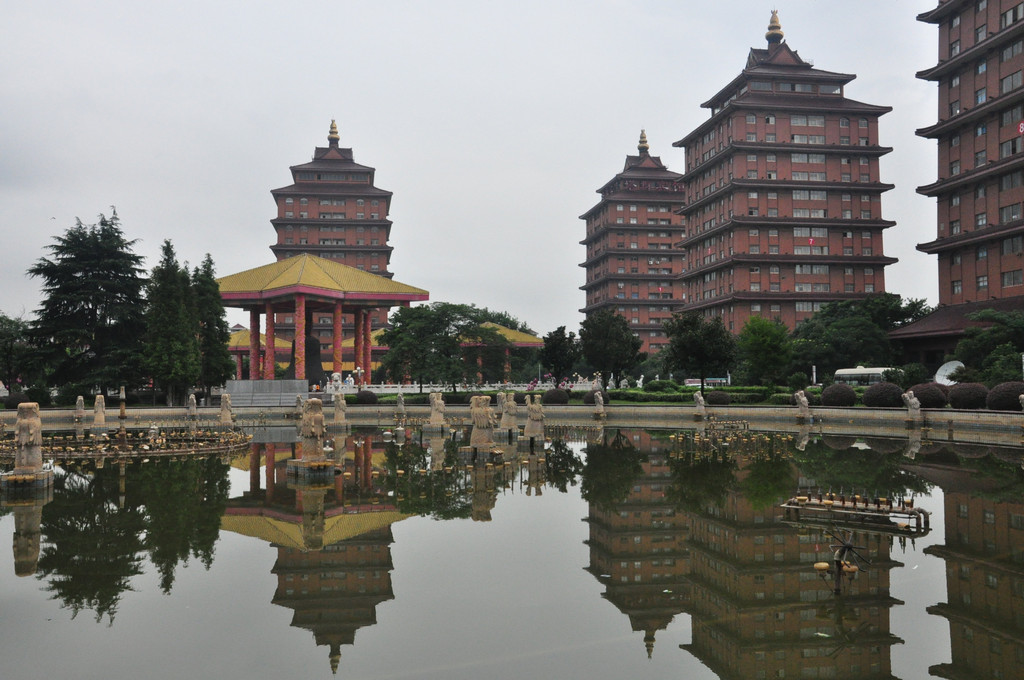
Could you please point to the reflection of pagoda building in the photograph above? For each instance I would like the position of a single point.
(335, 591)
(984, 555)
(638, 550)
(334, 541)
(760, 610)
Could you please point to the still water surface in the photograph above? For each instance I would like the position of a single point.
(634, 554)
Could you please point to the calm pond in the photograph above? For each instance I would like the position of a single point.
(611, 554)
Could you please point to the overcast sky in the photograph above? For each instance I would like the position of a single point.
(492, 123)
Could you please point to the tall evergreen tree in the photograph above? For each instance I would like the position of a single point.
(216, 365)
(560, 352)
(171, 346)
(88, 329)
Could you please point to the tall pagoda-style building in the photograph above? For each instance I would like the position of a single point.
(333, 210)
(631, 267)
(783, 195)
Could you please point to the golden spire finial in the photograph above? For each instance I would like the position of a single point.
(642, 147)
(333, 135)
(774, 34)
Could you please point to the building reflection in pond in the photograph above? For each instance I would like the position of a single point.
(638, 546)
(984, 556)
(758, 607)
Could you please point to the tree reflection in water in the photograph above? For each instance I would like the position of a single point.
(612, 465)
(96, 530)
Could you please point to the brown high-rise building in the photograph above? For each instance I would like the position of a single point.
(980, 186)
(979, 238)
(783, 194)
(631, 267)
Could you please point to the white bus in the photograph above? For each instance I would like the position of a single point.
(860, 376)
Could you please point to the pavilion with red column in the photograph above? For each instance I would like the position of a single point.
(306, 285)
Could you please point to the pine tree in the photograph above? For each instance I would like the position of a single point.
(171, 346)
(88, 329)
(216, 364)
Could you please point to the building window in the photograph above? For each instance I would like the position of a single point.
(979, 158)
(981, 253)
(954, 48)
(954, 107)
(981, 67)
(1014, 278)
(982, 282)
(1014, 244)
(954, 168)
(954, 226)
(980, 219)
(956, 287)
(1009, 213)
(1010, 82)
(980, 33)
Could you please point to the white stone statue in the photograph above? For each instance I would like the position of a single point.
(436, 409)
(802, 404)
(336, 383)
(312, 428)
(534, 417)
(79, 409)
(192, 411)
(400, 405)
(28, 434)
(509, 412)
(640, 381)
(913, 405)
(339, 408)
(598, 403)
(483, 421)
(226, 415)
(698, 400)
(624, 383)
(99, 412)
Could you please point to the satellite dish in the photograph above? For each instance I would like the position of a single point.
(942, 375)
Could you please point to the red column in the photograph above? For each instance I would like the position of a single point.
(479, 366)
(357, 339)
(238, 366)
(254, 344)
(300, 336)
(254, 467)
(368, 345)
(270, 360)
(336, 336)
(508, 364)
(270, 453)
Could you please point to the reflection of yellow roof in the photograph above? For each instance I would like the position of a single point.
(310, 272)
(240, 338)
(281, 531)
(515, 337)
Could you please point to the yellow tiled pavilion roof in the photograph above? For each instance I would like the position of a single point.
(240, 338)
(517, 338)
(280, 531)
(310, 274)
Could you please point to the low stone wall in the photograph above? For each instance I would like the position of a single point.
(1004, 428)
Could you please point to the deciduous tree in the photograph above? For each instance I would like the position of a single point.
(698, 346)
(608, 344)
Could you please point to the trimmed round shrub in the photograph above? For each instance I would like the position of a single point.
(883, 445)
(1004, 396)
(838, 394)
(883, 395)
(555, 397)
(944, 388)
(366, 397)
(588, 398)
(838, 442)
(930, 395)
(718, 398)
(968, 396)
(14, 398)
(660, 386)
